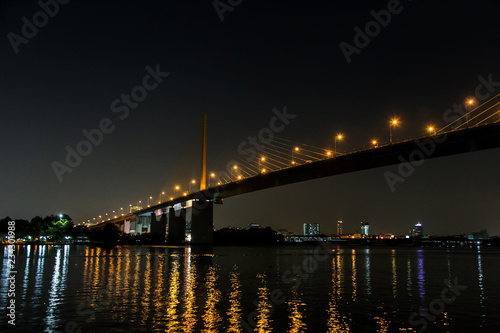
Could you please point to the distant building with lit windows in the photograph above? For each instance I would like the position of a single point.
(418, 230)
(365, 229)
(311, 229)
(340, 228)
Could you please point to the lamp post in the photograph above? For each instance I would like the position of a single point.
(338, 137)
(296, 149)
(431, 129)
(235, 167)
(374, 143)
(193, 182)
(212, 175)
(394, 122)
(262, 159)
(468, 104)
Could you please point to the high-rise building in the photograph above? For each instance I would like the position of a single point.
(340, 228)
(365, 229)
(418, 230)
(311, 229)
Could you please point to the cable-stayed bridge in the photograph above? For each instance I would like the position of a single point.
(281, 162)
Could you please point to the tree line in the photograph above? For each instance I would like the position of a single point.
(53, 227)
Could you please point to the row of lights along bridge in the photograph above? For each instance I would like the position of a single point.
(236, 175)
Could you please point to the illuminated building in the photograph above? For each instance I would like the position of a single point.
(418, 230)
(340, 228)
(311, 229)
(365, 229)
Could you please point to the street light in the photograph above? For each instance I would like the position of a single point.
(468, 104)
(262, 159)
(293, 151)
(212, 175)
(338, 137)
(431, 129)
(374, 143)
(394, 122)
(191, 184)
(328, 153)
(235, 167)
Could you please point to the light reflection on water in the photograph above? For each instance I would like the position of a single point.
(182, 289)
(336, 322)
(234, 310)
(264, 307)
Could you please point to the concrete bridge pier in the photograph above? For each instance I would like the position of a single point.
(176, 226)
(202, 222)
(158, 228)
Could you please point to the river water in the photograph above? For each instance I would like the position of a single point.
(316, 288)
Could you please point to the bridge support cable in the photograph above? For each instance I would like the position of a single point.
(484, 112)
(266, 163)
(301, 153)
(489, 118)
(277, 158)
(470, 120)
(468, 113)
(309, 152)
(313, 149)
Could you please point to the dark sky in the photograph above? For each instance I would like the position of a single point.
(263, 55)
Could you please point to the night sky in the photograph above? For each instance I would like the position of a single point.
(66, 77)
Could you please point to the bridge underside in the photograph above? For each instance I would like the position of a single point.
(463, 141)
